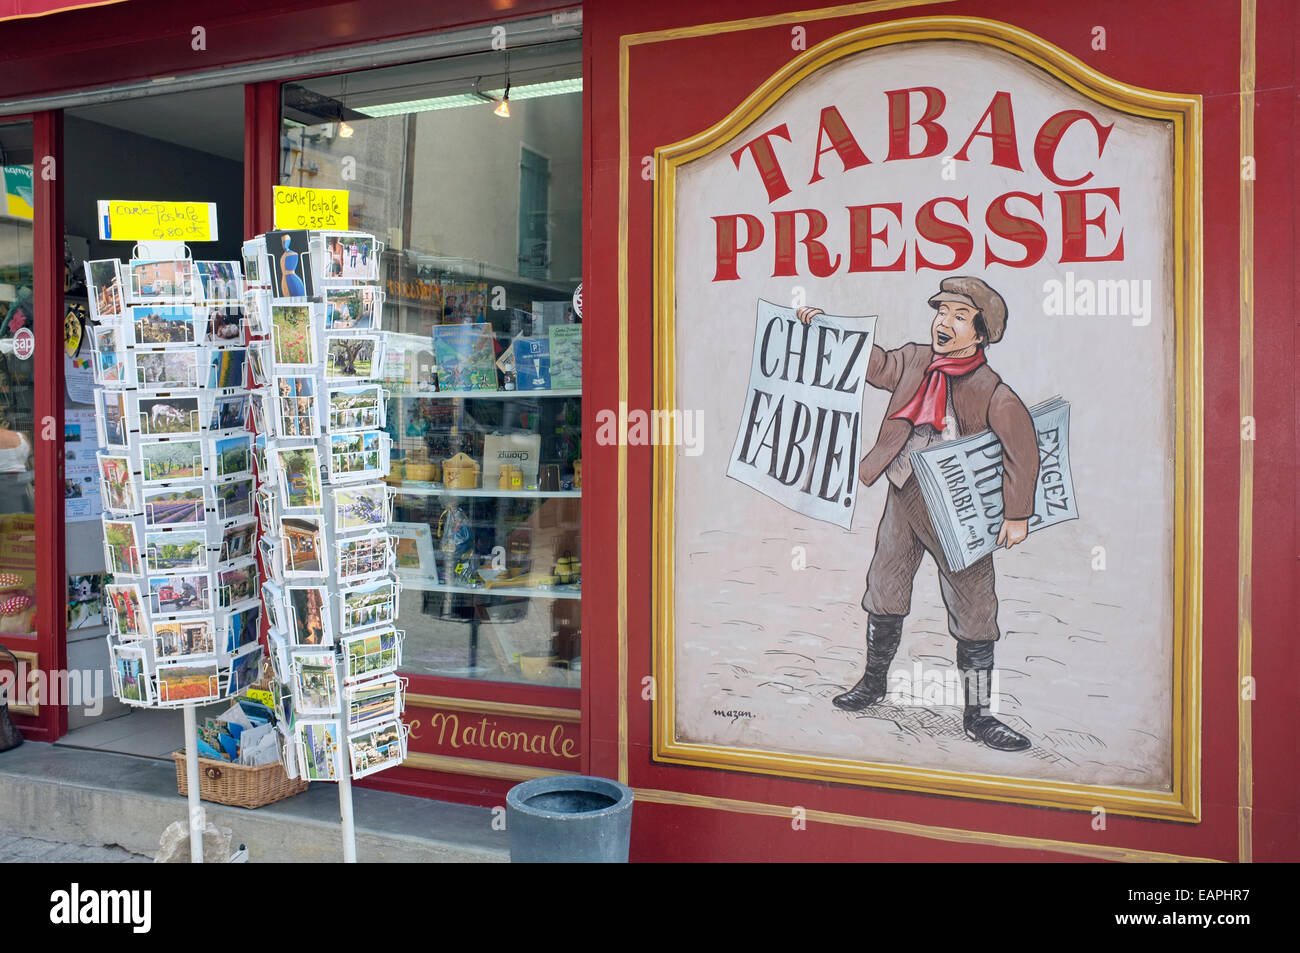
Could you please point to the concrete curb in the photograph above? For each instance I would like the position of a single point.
(103, 799)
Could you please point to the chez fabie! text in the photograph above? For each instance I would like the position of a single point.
(1017, 217)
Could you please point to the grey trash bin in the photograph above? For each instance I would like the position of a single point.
(569, 819)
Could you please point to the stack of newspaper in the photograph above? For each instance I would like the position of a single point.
(961, 482)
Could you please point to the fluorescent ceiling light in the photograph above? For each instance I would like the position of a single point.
(554, 88)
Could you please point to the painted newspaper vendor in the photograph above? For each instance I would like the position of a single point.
(949, 377)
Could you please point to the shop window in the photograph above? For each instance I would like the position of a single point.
(479, 207)
(17, 391)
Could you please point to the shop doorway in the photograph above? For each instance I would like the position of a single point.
(178, 147)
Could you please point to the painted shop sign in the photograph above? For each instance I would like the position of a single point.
(496, 737)
(942, 532)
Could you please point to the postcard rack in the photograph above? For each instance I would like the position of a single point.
(170, 350)
(329, 582)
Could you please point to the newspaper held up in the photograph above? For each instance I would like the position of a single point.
(800, 429)
(961, 483)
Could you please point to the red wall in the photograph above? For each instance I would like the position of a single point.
(142, 39)
(681, 86)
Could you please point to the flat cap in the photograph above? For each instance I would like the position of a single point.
(973, 292)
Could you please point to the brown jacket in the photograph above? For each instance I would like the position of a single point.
(979, 400)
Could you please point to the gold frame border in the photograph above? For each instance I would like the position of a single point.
(1246, 463)
(32, 659)
(455, 703)
(1182, 802)
(500, 770)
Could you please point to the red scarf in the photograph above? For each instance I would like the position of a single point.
(929, 405)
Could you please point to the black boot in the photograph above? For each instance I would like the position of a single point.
(884, 632)
(976, 663)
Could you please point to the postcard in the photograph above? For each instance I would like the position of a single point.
(299, 469)
(188, 682)
(360, 507)
(179, 637)
(356, 408)
(236, 584)
(253, 254)
(373, 702)
(272, 600)
(234, 499)
(309, 616)
(130, 675)
(413, 543)
(123, 548)
(176, 550)
(111, 417)
(303, 547)
(165, 416)
(380, 747)
(164, 324)
(278, 655)
(243, 628)
(257, 364)
(269, 550)
(161, 279)
(293, 337)
(225, 323)
(318, 750)
(267, 510)
(350, 257)
(314, 681)
(230, 413)
(220, 280)
(104, 289)
(174, 595)
(126, 610)
(118, 487)
(110, 364)
(233, 455)
(257, 405)
(352, 356)
(356, 454)
(171, 460)
(352, 309)
(374, 653)
(367, 606)
(173, 506)
(290, 272)
(226, 368)
(363, 557)
(244, 670)
(237, 541)
(167, 370)
(296, 397)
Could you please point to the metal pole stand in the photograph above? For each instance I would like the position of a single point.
(192, 785)
(345, 802)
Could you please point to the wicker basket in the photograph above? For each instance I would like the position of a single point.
(236, 784)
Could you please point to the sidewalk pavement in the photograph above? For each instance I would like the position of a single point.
(16, 849)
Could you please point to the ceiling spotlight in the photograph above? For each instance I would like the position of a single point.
(345, 130)
(503, 107)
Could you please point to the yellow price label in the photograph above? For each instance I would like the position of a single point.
(311, 208)
(260, 695)
(123, 220)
